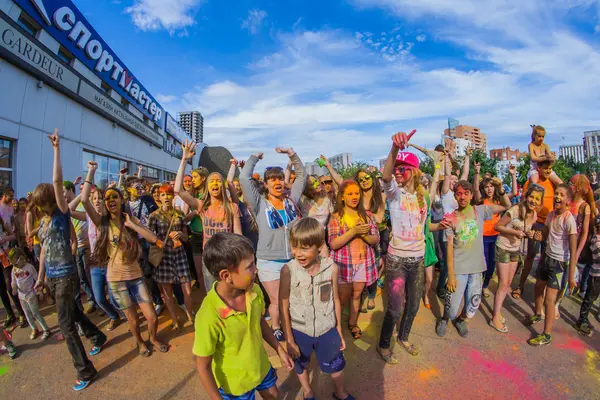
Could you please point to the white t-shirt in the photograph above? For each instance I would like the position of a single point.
(560, 228)
(449, 203)
(408, 222)
(7, 212)
(178, 203)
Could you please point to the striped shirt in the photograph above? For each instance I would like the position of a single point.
(595, 246)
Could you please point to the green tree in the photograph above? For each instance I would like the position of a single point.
(427, 166)
(349, 171)
(487, 164)
(563, 169)
(523, 169)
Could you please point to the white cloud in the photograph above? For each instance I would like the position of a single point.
(331, 91)
(175, 16)
(165, 98)
(253, 22)
(421, 38)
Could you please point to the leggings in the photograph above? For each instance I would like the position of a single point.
(405, 277)
(469, 287)
(443, 277)
(489, 251)
(591, 295)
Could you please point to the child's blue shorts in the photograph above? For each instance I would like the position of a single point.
(267, 383)
(326, 347)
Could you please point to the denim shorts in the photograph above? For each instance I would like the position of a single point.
(505, 256)
(128, 293)
(326, 347)
(267, 383)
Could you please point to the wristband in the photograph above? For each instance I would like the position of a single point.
(86, 181)
(502, 194)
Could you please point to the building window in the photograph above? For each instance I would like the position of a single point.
(6, 163)
(105, 87)
(124, 102)
(29, 24)
(108, 168)
(149, 172)
(65, 55)
(169, 176)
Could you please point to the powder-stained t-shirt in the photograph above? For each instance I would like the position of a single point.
(560, 228)
(468, 241)
(214, 221)
(55, 238)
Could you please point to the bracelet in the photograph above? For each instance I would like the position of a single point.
(502, 194)
(86, 181)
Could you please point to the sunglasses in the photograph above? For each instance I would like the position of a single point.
(276, 168)
(366, 178)
(327, 182)
(401, 170)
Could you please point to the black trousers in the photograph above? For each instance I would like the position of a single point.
(69, 314)
(591, 295)
(6, 293)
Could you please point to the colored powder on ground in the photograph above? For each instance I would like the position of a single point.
(428, 374)
(576, 346)
(3, 370)
(506, 371)
(592, 364)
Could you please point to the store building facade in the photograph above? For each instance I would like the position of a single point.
(57, 72)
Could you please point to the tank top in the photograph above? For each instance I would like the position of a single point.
(488, 226)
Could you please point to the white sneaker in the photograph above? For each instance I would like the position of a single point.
(159, 308)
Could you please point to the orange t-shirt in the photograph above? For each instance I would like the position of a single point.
(488, 226)
(547, 201)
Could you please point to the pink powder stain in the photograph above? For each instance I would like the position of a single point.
(509, 372)
(576, 346)
(224, 311)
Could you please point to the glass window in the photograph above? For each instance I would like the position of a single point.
(108, 168)
(6, 162)
(27, 23)
(65, 55)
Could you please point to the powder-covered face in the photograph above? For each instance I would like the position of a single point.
(187, 183)
(215, 185)
(561, 199)
(327, 184)
(197, 179)
(244, 276)
(305, 255)
(351, 196)
(403, 174)
(238, 187)
(365, 181)
(463, 197)
(113, 201)
(534, 201)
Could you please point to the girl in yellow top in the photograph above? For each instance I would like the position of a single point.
(118, 247)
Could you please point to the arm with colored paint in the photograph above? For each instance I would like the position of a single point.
(572, 260)
(42, 271)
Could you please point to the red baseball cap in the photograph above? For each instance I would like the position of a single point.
(407, 158)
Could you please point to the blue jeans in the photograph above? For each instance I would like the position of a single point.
(489, 252)
(83, 255)
(468, 287)
(98, 284)
(583, 278)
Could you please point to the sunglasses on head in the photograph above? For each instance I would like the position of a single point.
(276, 168)
(366, 178)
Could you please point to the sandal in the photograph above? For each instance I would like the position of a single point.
(355, 331)
(371, 304)
(486, 293)
(163, 348)
(176, 327)
(145, 353)
(410, 348)
(363, 310)
(516, 294)
(388, 358)
(504, 329)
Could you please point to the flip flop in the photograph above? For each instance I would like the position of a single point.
(370, 306)
(145, 353)
(163, 348)
(355, 331)
(410, 349)
(516, 294)
(504, 329)
(389, 358)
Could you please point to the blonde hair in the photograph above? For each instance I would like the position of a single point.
(227, 205)
(307, 232)
(536, 129)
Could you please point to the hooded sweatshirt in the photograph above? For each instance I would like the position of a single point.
(273, 244)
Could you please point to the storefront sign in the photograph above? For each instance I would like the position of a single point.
(116, 113)
(65, 23)
(17, 44)
(173, 128)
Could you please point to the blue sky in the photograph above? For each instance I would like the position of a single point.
(336, 76)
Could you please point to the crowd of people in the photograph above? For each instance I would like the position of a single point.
(279, 257)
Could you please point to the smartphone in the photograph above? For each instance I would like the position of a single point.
(124, 171)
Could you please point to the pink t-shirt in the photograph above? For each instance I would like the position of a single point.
(214, 221)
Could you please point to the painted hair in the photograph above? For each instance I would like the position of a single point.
(43, 197)
(166, 188)
(377, 198)
(128, 238)
(536, 129)
(534, 188)
(308, 193)
(339, 204)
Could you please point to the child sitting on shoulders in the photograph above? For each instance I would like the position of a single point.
(230, 326)
(24, 277)
(593, 284)
(560, 233)
(538, 152)
(311, 308)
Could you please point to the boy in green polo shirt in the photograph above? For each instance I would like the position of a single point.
(230, 326)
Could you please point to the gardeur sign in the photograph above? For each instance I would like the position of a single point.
(63, 21)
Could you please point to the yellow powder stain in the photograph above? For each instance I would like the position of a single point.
(562, 388)
(515, 347)
(593, 363)
(428, 374)
(275, 362)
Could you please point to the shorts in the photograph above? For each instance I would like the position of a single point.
(128, 293)
(267, 383)
(326, 347)
(535, 171)
(551, 271)
(358, 274)
(270, 270)
(197, 243)
(505, 256)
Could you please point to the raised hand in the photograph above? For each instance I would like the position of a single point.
(113, 184)
(234, 161)
(469, 151)
(77, 180)
(124, 171)
(188, 148)
(128, 222)
(477, 167)
(92, 166)
(241, 163)
(54, 138)
(496, 181)
(512, 169)
(259, 155)
(401, 139)
(285, 150)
